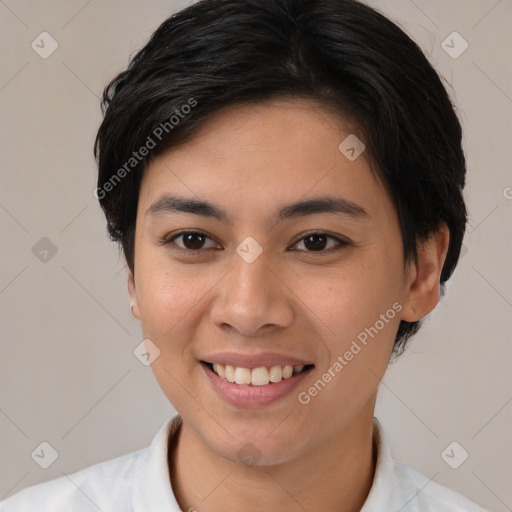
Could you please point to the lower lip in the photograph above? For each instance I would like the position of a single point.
(245, 395)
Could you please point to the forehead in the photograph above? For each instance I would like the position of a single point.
(250, 158)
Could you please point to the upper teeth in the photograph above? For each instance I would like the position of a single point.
(257, 376)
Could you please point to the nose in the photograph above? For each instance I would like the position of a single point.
(254, 298)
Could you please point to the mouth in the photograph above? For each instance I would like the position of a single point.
(256, 377)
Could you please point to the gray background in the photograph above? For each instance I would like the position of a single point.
(68, 373)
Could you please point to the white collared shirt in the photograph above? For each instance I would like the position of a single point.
(139, 482)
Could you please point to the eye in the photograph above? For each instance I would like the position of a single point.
(318, 242)
(193, 241)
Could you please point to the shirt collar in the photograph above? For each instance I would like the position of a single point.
(153, 491)
(384, 483)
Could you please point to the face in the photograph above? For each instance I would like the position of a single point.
(257, 282)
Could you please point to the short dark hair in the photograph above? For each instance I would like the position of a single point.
(344, 55)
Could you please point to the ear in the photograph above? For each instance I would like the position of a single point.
(133, 295)
(423, 288)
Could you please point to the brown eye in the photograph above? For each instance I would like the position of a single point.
(191, 240)
(315, 242)
(318, 242)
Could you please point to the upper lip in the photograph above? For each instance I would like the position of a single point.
(254, 360)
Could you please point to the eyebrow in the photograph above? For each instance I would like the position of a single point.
(329, 204)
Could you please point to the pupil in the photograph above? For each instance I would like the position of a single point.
(189, 240)
(315, 246)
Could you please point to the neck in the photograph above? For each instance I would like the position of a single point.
(336, 475)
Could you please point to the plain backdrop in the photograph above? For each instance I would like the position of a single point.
(68, 373)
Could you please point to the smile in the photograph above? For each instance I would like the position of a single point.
(261, 376)
(254, 380)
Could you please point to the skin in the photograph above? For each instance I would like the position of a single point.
(251, 160)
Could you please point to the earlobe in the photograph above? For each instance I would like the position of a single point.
(423, 288)
(133, 295)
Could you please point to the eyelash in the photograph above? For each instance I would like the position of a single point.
(170, 240)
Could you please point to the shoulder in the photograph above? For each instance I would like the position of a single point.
(95, 487)
(425, 495)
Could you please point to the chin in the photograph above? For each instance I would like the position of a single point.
(251, 454)
(253, 449)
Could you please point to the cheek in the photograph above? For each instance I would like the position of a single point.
(169, 306)
(166, 297)
(352, 297)
(359, 319)
(357, 310)
(358, 331)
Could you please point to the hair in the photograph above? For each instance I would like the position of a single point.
(342, 54)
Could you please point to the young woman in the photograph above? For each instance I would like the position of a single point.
(285, 179)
